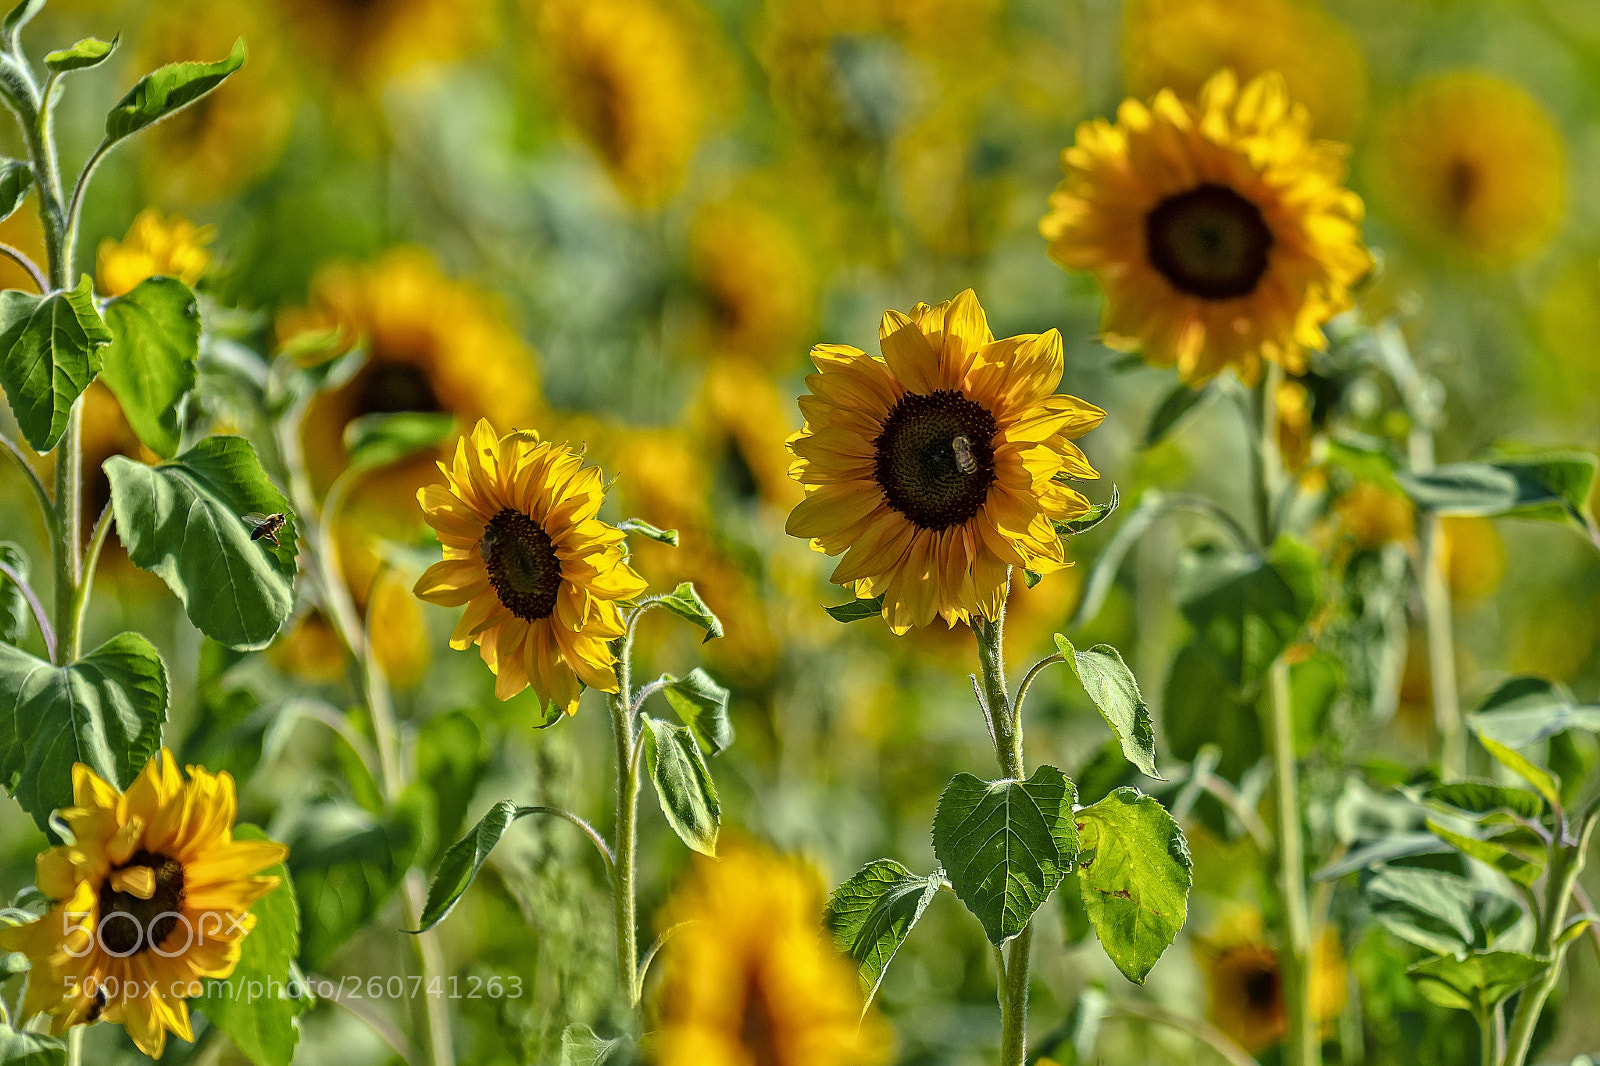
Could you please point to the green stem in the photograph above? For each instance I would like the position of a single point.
(1007, 725)
(1440, 625)
(75, 1045)
(68, 561)
(623, 904)
(1566, 861)
(1301, 1045)
(1486, 1053)
(91, 561)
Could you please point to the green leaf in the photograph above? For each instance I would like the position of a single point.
(89, 52)
(1477, 983)
(1525, 710)
(1200, 707)
(856, 610)
(581, 1047)
(164, 91)
(183, 521)
(1489, 853)
(451, 760)
(683, 784)
(685, 602)
(49, 352)
(30, 1049)
(1552, 485)
(254, 1005)
(17, 18)
(1031, 579)
(1006, 845)
(1483, 797)
(1442, 912)
(1541, 779)
(702, 704)
(13, 601)
(16, 181)
(1110, 684)
(1134, 869)
(1096, 514)
(1248, 611)
(379, 439)
(871, 915)
(462, 861)
(105, 710)
(1170, 411)
(346, 864)
(1314, 686)
(151, 363)
(1075, 923)
(648, 531)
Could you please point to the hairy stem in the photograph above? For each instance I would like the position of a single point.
(1566, 862)
(1440, 625)
(623, 904)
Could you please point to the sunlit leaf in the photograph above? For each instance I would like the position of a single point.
(1134, 871)
(871, 915)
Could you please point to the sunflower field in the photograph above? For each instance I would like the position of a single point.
(799, 532)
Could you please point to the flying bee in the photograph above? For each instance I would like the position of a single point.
(265, 526)
(965, 461)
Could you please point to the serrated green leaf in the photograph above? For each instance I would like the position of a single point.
(254, 1006)
(169, 89)
(105, 710)
(49, 352)
(16, 181)
(1247, 611)
(702, 705)
(1483, 797)
(14, 612)
(1489, 853)
(1478, 982)
(1006, 845)
(1525, 710)
(683, 784)
(461, 862)
(871, 915)
(346, 864)
(151, 362)
(1135, 871)
(648, 531)
(581, 1047)
(89, 52)
(1542, 780)
(30, 1049)
(856, 610)
(379, 439)
(1096, 514)
(1177, 403)
(1112, 688)
(183, 521)
(1442, 912)
(685, 602)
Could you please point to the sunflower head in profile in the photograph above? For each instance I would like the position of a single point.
(1220, 231)
(152, 894)
(541, 577)
(630, 76)
(750, 976)
(942, 465)
(1472, 166)
(155, 244)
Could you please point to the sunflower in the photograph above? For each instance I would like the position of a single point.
(631, 77)
(1220, 231)
(433, 345)
(737, 415)
(757, 279)
(540, 576)
(226, 140)
(152, 894)
(155, 245)
(1178, 44)
(1373, 516)
(1245, 987)
(939, 467)
(1471, 165)
(750, 976)
(369, 41)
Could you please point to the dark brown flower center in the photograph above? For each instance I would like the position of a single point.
(1209, 242)
(1462, 181)
(522, 564)
(1261, 989)
(758, 1029)
(130, 925)
(935, 458)
(391, 387)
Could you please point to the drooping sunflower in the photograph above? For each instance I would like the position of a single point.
(1220, 231)
(1473, 166)
(1178, 44)
(541, 577)
(939, 467)
(152, 895)
(631, 77)
(155, 244)
(750, 977)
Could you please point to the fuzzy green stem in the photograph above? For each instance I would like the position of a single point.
(1007, 725)
(1301, 1046)
(1440, 625)
(623, 904)
(1486, 1052)
(1566, 862)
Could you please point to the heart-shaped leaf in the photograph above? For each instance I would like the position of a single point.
(150, 363)
(1134, 871)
